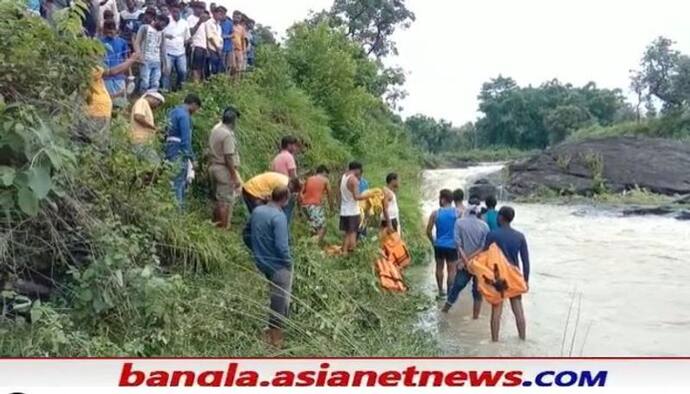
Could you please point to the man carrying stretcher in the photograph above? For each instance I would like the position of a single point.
(512, 243)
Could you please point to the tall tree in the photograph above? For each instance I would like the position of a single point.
(664, 74)
(371, 23)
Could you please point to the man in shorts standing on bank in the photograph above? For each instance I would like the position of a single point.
(349, 208)
(224, 167)
(315, 188)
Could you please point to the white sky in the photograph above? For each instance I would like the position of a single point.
(456, 45)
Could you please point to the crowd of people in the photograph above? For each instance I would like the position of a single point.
(461, 233)
(173, 40)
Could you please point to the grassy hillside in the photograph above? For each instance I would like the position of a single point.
(133, 276)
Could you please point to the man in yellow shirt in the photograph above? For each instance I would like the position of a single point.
(144, 126)
(143, 123)
(257, 190)
(99, 104)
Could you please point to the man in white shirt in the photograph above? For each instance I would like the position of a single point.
(199, 42)
(176, 35)
(129, 21)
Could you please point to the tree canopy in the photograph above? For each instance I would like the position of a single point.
(534, 117)
(664, 74)
(371, 23)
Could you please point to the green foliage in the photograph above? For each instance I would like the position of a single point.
(371, 23)
(28, 42)
(664, 74)
(324, 65)
(672, 125)
(32, 136)
(533, 117)
(595, 164)
(636, 196)
(32, 152)
(563, 120)
(435, 136)
(465, 157)
(264, 35)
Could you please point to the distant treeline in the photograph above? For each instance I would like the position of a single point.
(536, 117)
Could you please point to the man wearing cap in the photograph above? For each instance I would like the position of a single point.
(143, 124)
(470, 236)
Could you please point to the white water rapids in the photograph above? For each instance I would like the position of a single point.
(601, 284)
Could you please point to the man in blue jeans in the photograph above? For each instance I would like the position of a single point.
(150, 42)
(178, 144)
(470, 236)
(227, 26)
(176, 35)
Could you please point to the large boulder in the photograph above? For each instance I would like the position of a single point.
(482, 188)
(617, 163)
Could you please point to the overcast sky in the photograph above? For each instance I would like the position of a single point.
(456, 45)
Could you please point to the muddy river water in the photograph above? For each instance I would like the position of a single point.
(601, 284)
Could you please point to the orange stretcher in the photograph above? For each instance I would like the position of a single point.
(497, 279)
(394, 258)
(395, 249)
(390, 276)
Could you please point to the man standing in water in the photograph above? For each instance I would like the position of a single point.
(349, 209)
(445, 252)
(271, 249)
(470, 237)
(512, 243)
(458, 197)
(491, 215)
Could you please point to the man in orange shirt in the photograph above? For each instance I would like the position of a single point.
(312, 201)
(239, 45)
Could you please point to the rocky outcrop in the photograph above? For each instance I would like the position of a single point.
(482, 188)
(616, 163)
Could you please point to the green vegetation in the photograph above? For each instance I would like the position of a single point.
(524, 118)
(635, 196)
(530, 118)
(474, 156)
(130, 275)
(663, 79)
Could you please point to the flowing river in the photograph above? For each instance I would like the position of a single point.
(601, 284)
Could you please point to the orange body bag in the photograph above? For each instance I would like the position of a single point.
(390, 276)
(496, 277)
